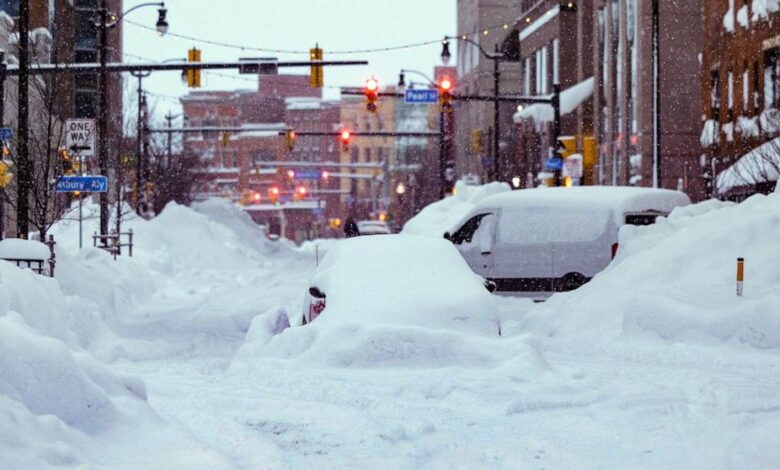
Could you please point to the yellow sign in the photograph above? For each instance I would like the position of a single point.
(5, 174)
(476, 140)
(316, 79)
(193, 75)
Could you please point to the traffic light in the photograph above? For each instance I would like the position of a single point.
(289, 139)
(273, 194)
(315, 74)
(193, 75)
(445, 95)
(324, 175)
(300, 193)
(345, 136)
(290, 175)
(67, 164)
(372, 94)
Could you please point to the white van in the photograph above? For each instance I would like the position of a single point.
(534, 242)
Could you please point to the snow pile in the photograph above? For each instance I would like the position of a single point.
(770, 121)
(709, 133)
(676, 280)
(15, 248)
(742, 17)
(392, 301)
(763, 8)
(728, 20)
(441, 216)
(748, 126)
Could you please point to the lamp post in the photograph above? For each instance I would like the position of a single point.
(104, 21)
(496, 57)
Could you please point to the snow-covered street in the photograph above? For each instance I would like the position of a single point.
(186, 350)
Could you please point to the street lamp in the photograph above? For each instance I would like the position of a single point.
(103, 24)
(496, 57)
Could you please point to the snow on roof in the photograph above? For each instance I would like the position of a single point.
(760, 165)
(762, 9)
(619, 198)
(571, 98)
(299, 103)
(263, 129)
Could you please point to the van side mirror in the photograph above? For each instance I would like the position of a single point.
(315, 292)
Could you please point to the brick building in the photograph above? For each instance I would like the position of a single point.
(485, 22)
(740, 84)
(365, 192)
(238, 165)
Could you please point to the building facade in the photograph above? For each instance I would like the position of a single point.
(740, 90)
(487, 23)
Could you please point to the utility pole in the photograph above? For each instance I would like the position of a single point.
(139, 131)
(169, 118)
(23, 157)
(2, 124)
(556, 105)
(657, 163)
(496, 120)
(103, 112)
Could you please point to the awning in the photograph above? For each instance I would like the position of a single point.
(571, 98)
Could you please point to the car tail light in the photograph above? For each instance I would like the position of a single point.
(614, 250)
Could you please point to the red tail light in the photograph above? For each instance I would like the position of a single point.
(614, 250)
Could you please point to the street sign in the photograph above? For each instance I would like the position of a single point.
(555, 163)
(86, 184)
(423, 96)
(80, 136)
(307, 174)
(572, 166)
(6, 133)
(259, 65)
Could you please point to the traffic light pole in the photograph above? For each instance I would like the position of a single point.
(556, 104)
(103, 115)
(496, 120)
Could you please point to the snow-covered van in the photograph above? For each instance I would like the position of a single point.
(538, 241)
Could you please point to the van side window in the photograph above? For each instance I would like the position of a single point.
(466, 232)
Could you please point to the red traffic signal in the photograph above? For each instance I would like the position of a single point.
(300, 192)
(325, 175)
(445, 95)
(372, 94)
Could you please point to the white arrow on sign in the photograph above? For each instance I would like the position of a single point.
(80, 134)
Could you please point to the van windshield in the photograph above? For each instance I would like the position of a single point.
(546, 225)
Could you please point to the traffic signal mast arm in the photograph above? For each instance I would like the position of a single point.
(297, 133)
(43, 69)
(519, 99)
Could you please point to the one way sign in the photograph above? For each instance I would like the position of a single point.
(80, 136)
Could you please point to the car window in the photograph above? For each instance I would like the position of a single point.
(642, 219)
(466, 232)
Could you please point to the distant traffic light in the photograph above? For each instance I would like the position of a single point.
(67, 164)
(289, 139)
(324, 175)
(345, 136)
(316, 79)
(290, 175)
(193, 75)
(300, 193)
(445, 95)
(372, 94)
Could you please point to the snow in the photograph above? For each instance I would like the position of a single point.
(571, 98)
(617, 200)
(748, 126)
(757, 166)
(709, 133)
(23, 249)
(728, 18)
(763, 8)
(742, 17)
(441, 216)
(770, 121)
(728, 131)
(189, 354)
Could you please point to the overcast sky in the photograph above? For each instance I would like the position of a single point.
(290, 25)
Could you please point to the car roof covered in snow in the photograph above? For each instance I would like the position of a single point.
(623, 199)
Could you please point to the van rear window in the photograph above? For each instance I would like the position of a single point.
(641, 219)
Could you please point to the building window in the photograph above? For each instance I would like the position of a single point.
(555, 51)
(527, 76)
(715, 94)
(756, 94)
(731, 94)
(772, 78)
(745, 88)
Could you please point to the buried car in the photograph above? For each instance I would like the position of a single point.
(402, 280)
